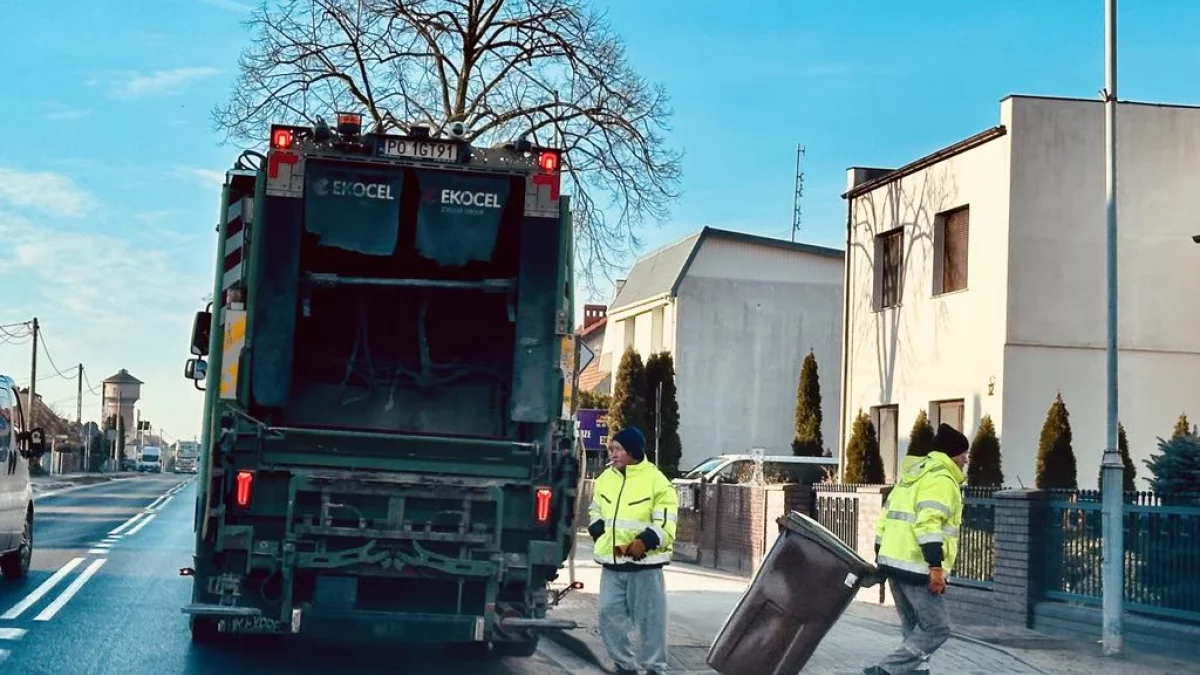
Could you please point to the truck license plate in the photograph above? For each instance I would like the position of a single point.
(432, 150)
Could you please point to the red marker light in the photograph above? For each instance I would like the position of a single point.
(281, 139)
(542, 505)
(548, 161)
(245, 482)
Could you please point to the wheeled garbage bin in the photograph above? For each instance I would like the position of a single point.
(805, 583)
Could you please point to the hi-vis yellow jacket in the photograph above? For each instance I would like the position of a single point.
(919, 525)
(639, 503)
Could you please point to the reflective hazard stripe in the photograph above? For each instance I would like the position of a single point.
(235, 241)
(650, 559)
(936, 506)
(935, 538)
(663, 515)
(906, 517)
(896, 563)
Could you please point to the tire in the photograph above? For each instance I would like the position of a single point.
(15, 565)
(204, 630)
(517, 648)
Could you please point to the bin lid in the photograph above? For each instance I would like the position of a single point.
(799, 524)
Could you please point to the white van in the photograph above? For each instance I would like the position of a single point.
(18, 444)
(776, 469)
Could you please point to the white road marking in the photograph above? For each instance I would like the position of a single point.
(97, 551)
(140, 525)
(4, 655)
(12, 633)
(164, 503)
(70, 591)
(40, 591)
(128, 523)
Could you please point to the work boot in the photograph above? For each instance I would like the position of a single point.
(874, 670)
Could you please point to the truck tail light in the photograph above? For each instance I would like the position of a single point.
(541, 502)
(244, 485)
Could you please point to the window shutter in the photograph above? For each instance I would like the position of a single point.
(954, 250)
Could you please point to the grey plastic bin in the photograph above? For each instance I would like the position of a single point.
(806, 582)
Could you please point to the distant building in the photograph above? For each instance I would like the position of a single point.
(120, 392)
(977, 282)
(591, 333)
(738, 312)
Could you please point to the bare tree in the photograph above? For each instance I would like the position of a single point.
(548, 70)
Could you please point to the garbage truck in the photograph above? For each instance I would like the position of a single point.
(387, 361)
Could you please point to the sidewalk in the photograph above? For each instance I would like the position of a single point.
(701, 599)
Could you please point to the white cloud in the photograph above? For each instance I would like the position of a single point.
(103, 299)
(49, 193)
(160, 82)
(209, 178)
(231, 5)
(58, 111)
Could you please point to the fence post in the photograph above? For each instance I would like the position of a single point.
(1020, 548)
(870, 505)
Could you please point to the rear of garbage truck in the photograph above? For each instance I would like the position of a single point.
(387, 363)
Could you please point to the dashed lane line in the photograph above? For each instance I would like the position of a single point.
(140, 525)
(70, 591)
(12, 633)
(127, 524)
(37, 594)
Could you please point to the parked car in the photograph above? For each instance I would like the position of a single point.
(777, 469)
(18, 445)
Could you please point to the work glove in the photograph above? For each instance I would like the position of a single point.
(636, 549)
(937, 580)
(596, 529)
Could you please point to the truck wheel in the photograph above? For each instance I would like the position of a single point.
(204, 629)
(521, 648)
(15, 565)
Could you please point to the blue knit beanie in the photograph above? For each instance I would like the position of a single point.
(633, 441)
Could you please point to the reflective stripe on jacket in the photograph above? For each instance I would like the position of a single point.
(639, 502)
(924, 508)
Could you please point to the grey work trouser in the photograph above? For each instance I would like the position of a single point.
(925, 623)
(634, 599)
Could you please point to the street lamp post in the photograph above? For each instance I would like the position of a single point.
(1112, 466)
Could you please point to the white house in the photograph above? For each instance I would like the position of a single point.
(738, 313)
(976, 282)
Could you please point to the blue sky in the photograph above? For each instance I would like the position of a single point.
(110, 169)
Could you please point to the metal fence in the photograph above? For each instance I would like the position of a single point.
(976, 561)
(1162, 553)
(837, 511)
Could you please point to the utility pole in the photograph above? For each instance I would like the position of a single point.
(33, 377)
(79, 401)
(798, 193)
(1112, 468)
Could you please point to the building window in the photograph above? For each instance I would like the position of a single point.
(889, 268)
(886, 419)
(950, 241)
(949, 412)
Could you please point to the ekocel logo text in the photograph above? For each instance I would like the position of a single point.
(344, 188)
(486, 200)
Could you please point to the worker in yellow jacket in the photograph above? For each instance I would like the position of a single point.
(916, 544)
(632, 521)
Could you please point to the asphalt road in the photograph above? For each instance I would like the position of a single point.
(104, 596)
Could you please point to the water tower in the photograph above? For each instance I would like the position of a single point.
(120, 392)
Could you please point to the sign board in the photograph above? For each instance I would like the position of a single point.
(586, 355)
(591, 427)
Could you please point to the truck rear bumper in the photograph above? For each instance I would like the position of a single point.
(390, 627)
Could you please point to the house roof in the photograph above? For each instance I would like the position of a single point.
(597, 325)
(662, 270)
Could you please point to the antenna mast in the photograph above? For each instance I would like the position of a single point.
(799, 191)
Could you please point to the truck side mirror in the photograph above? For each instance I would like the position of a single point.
(32, 443)
(196, 370)
(201, 331)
